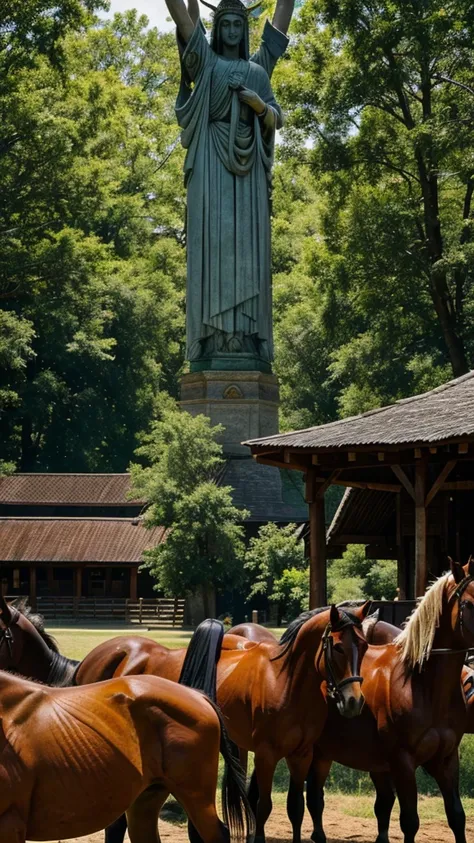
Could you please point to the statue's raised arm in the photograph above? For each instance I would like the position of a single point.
(283, 14)
(181, 17)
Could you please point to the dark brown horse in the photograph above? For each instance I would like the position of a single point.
(26, 647)
(73, 759)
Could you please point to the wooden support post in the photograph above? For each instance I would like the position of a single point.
(78, 583)
(421, 564)
(401, 560)
(32, 596)
(133, 583)
(317, 540)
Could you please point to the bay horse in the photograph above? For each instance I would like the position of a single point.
(278, 691)
(272, 696)
(415, 711)
(73, 759)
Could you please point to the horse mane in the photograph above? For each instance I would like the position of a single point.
(21, 605)
(294, 627)
(416, 639)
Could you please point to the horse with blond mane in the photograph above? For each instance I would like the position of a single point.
(415, 712)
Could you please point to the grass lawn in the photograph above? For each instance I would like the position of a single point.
(76, 642)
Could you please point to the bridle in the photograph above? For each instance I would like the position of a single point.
(457, 594)
(6, 637)
(334, 688)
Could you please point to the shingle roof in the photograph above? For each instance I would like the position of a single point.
(362, 512)
(60, 540)
(69, 489)
(441, 415)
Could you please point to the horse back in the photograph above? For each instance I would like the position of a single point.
(129, 656)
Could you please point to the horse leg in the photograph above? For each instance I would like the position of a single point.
(446, 773)
(265, 763)
(142, 815)
(403, 776)
(316, 779)
(115, 833)
(12, 827)
(385, 797)
(298, 767)
(253, 792)
(201, 810)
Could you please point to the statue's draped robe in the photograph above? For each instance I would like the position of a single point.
(227, 173)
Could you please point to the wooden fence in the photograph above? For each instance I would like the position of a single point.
(159, 612)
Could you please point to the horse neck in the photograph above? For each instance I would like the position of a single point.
(442, 672)
(301, 664)
(36, 656)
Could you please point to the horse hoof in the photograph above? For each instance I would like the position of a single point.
(259, 838)
(318, 837)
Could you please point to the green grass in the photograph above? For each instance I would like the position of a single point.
(76, 643)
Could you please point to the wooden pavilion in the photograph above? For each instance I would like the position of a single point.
(412, 463)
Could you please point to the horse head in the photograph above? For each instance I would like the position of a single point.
(25, 647)
(343, 646)
(461, 599)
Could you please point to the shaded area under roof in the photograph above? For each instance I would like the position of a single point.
(71, 489)
(441, 415)
(62, 540)
(362, 512)
(270, 494)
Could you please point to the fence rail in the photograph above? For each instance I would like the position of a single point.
(159, 612)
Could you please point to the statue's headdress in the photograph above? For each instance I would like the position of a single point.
(230, 7)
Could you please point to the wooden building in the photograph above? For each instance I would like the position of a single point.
(73, 535)
(410, 469)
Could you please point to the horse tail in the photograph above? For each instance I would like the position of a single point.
(237, 813)
(203, 653)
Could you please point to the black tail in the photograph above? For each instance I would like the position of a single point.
(203, 653)
(236, 810)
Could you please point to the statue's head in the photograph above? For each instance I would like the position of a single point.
(231, 27)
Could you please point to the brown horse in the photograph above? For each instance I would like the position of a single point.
(26, 647)
(415, 711)
(73, 759)
(273, 697)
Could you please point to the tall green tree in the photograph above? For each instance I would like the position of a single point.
(178, 478)
(91, 233)
(379, 110)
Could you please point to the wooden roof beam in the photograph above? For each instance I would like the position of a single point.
(404, 480)
(438, 483)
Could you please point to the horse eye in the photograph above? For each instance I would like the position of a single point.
(339, 648)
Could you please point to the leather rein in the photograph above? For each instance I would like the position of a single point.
(334, 687)
(6, 635)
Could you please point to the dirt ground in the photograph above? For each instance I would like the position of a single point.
(340, 828)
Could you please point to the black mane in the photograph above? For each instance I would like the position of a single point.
(22, 606)
(289, 636)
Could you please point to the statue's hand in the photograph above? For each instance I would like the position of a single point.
(252, 99)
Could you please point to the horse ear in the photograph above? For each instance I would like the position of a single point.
(365, 609)
(5, 613)
(334, 616)
(456, 570)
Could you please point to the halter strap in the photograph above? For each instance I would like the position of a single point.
(333, 686)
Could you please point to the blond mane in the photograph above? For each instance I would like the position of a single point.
(416, 639)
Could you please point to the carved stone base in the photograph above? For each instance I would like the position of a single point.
(246, 403)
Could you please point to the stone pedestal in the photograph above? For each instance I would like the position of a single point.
(246, 403)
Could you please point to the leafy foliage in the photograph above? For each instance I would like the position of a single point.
(274, 560)
(204, 547)
(91, 259)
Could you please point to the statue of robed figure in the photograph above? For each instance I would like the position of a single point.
(228, 116)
